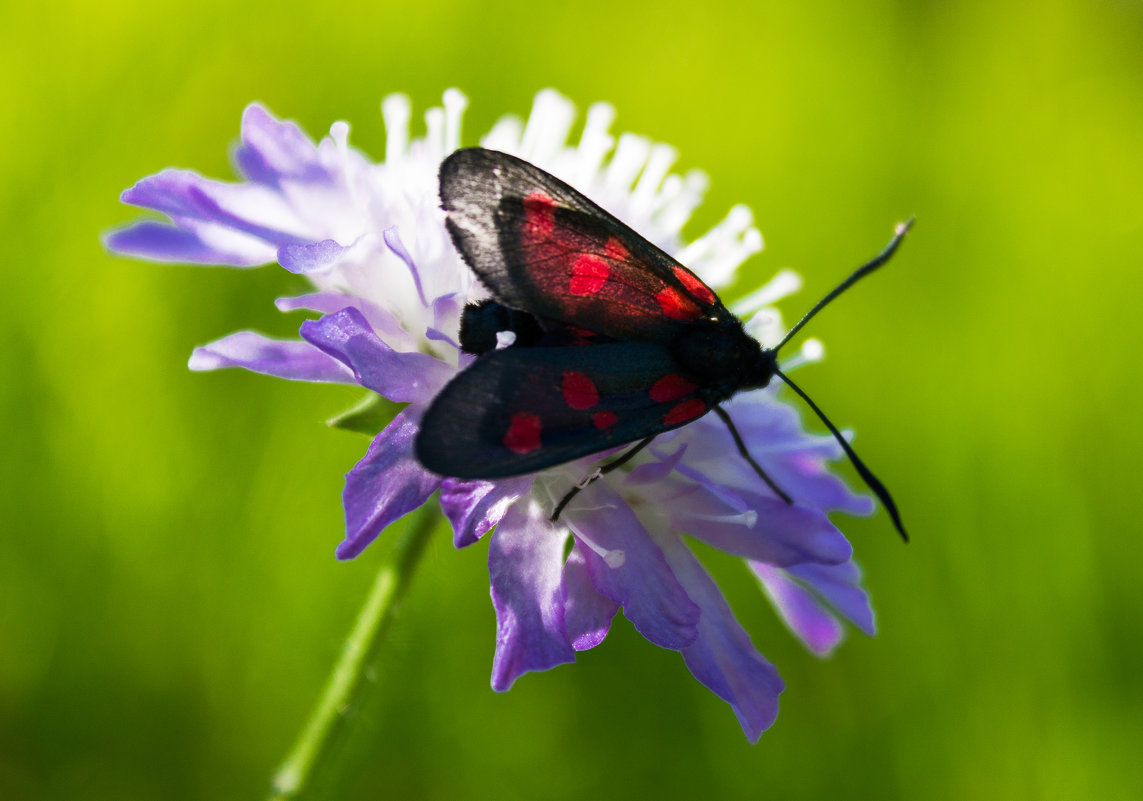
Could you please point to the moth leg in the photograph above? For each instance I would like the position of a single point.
(598, 473)
(746, 455)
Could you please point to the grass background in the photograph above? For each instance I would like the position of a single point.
(169, 601)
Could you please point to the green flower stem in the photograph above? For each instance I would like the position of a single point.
(359, 653)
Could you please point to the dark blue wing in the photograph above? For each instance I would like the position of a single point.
(520, 410)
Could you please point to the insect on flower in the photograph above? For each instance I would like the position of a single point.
(593, 338)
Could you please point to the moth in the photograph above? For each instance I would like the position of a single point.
(593, 337)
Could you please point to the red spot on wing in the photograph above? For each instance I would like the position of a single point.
(523, 433)
(540, 214)
(696, 287)
(604, 419)
(579, 390)
(581, 335)
(589, 274)
(687, 410)
(670, 388)
(676, 305)
(615, 251)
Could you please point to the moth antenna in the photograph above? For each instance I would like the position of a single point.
(858, 274)
(750, 459)
(870, 480)
(598, 473)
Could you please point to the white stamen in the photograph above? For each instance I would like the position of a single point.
(716, 255)
(505, 134)
(548, 125)
(396, 111)
(630, 156)
(785, 283)
(658, 164)
(454, 105)
(766, 326)
(613, 559)
(339, 133)
(435, 133)
(594, 144)
(676, 213)
(748, 518)
(812, 351)
(720, 265)
(730, 228)
(669, 192)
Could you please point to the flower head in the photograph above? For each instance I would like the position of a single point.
(390, 289)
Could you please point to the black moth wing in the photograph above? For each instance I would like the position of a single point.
(519, 410)
(540, 246)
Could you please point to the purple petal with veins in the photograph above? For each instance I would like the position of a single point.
(628, 567)
(159, 241)
(283, 358)
(840, 587)
(587, 611)
(810, 597)
(273, 149)
(382, 321)
(654, 472)
(804, 614)
(401, 377)
(525, 565)
(387, 484)
(722, 656)
(474, 507)
(311, 257)
(794, 460)
(186, 196)
(770, 530)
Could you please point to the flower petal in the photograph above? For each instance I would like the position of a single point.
(401, 377)
(525, 560)
(805, 615)
(311, 257)
(656, 471)
(388, 483)
(283, 358)
(722, 656)
(627, 566)
(273, 149)
(474, 507)
(382, 321)
(770, 531)
(587, 611)
(187, 197)
(160, 241)
(840, 587)
(794, 459)
(447, 311)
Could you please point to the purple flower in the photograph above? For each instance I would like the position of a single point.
(390, 288)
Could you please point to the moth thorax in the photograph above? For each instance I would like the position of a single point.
(720, 352)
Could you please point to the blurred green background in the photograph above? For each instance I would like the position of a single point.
(169, 600)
